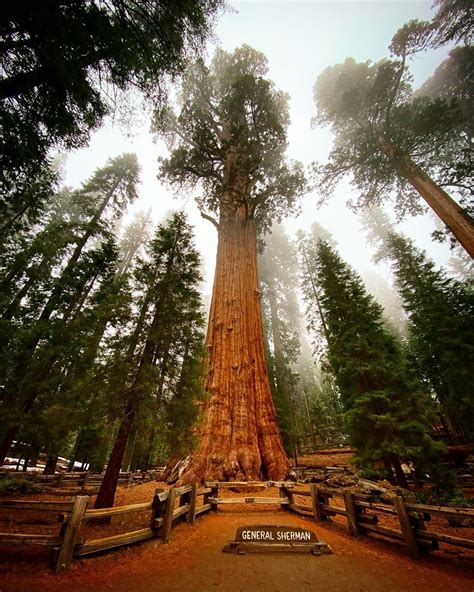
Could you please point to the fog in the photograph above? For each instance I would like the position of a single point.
(300, 39)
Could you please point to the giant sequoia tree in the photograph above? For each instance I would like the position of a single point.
(393, 142)
(230, 140)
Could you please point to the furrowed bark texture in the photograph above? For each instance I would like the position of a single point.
(239, 438)
(456, 219)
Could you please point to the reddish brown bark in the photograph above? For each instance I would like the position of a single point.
(239, 438)
(456, 219)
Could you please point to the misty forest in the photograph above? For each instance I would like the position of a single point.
(230, 296)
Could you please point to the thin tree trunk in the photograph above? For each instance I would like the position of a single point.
(456, 219)
(129, 451)
(14, 305)
(310, 422)
(106, 495)
(50, 466)
(239, 436)
(388, 468)
(399, 473)
(77, 443)
(28, 454)
(317, 300)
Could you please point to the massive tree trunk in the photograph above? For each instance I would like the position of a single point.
(239, 436)
(456, 219)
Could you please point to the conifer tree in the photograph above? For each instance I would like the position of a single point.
(387, 415)
(229, 139)
(65, 63)
(278, 279)
(441, 313)
(33, 351)
(440, 310)
(394, 143)
(169, 318)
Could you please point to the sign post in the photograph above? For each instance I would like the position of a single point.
(263, 538)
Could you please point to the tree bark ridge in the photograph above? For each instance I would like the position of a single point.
(239, 436)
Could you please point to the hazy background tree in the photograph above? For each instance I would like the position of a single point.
(389, 140)
(440, 313)
(278, 274)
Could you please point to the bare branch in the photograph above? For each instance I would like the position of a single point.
(211, 219)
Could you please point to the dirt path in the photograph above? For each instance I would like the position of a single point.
(193, 562)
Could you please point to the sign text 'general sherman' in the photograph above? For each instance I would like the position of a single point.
(270, 538)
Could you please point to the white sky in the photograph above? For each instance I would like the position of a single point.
(300, 40)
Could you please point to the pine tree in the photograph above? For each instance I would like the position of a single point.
(441, 314)
(169, 313)
(387, 415)
(56, 301)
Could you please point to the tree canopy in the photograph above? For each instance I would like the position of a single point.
(396, 144)
(229, 138)
(63, 64)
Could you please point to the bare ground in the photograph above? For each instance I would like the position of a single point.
(193, 560)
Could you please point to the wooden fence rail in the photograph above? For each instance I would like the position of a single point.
(81, 481)
(187, 502)
(362, 513)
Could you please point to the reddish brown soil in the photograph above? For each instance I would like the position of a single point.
(336, 457)
(193, 560)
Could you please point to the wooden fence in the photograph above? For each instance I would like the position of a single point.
(80, 482)
(362, 512)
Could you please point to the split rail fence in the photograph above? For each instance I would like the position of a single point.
(80, 481)
(189, 501)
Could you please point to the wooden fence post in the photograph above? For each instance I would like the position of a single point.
(71, 533)
(318, 516)
(351, 513)
(168, 517)
(191, 517)
(406, 527)
(157, 510)
(84, 481)
(214, 493)
(284, 492)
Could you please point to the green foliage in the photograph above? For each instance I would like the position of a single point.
(367, 104)
(441, 314)
(387, 415)
(278, 281)
(229, 138)
(158, 361)
(452, 22)
(52, 276)
(62, 62)
(18, 486)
